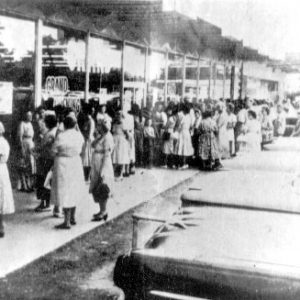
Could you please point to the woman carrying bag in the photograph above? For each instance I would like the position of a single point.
(102, 173)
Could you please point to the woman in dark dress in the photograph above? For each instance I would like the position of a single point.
(44, 163)
(208, 144)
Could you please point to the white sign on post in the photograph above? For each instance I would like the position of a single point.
(6, 97)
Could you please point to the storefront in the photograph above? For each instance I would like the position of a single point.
(57, 63)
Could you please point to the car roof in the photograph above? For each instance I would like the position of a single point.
(258, 190)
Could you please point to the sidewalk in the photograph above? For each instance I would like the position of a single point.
(31, 235)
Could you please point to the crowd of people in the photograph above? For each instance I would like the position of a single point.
(60, 150)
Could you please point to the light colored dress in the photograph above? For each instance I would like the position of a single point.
(128, 125)
(120, 154)
(223, 135)
(280, 124)
(88, 133)
(184, 144)
(68, 180)
(6, 196)
(168, 145)
(102, 168)
(231, 123)
(26, 134)
(253, 136)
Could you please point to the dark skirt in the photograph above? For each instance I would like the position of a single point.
(148, 151)
(43, 167)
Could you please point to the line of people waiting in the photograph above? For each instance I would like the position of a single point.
(65, 150)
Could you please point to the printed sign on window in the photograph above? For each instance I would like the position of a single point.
(6, 97)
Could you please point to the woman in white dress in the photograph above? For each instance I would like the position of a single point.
(88, 130)
(27, 163)
(168, 139)
(223, 141)
(231, 123)
(68, 180)
(184, 147)
(102, 173)
(6, 197)
(120, 155)
(253, 135)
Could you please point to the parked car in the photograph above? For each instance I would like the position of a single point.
(236, 238)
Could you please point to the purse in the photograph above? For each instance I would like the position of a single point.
(101, 190)
(166, 135)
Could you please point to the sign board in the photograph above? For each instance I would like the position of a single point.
(57, 83)
(6, 97)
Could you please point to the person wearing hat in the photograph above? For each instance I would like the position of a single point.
(6, 197)
(68, 180)
(102, 173)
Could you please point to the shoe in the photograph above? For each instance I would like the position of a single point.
(63, 226)
(72, 219)
(40, 208)
(2, 234)
(58, 215)
(126, 175)
(67, 222)
(100, 217)
(96, 215)
(165, 167)
(185, 167)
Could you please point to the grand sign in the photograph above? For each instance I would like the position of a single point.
(57, 83)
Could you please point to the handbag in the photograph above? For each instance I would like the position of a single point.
(166, 135)
(48, 180)
(101, 190)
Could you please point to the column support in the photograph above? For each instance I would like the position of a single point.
(38, 63)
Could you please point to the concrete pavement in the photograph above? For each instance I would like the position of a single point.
(30, 235)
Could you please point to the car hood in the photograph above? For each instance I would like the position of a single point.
(248, 241)
(259, 190)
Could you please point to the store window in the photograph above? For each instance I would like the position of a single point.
(175, 64)
(204, 79)
(105, 69)
(191, 77)
(157, 64)
(63, 67)
(134, 74)
(17, 65)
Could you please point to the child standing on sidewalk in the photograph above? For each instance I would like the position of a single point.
(149, 137)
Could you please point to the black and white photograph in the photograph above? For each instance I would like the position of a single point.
(149, 149)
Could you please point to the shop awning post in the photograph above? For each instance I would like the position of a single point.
(166, 76)
(87, 67)
(146, 75)
(122, 75)
(198, 80)
(224, 80)
(183, 76)
(38, 63)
